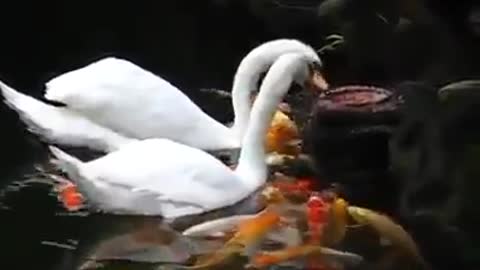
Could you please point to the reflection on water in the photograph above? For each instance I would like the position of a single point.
(35, 226)
(134, 239)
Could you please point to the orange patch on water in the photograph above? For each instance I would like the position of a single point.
(70, 197)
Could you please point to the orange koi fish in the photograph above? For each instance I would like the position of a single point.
(249, 233)
(68, 193)
(268, 258)
(317, 217)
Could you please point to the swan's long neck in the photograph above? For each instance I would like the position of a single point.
(251, 166)
(244, 82)
(248, 74)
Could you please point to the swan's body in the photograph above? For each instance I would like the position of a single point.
(112, 102)
(163, 177)
(157, 176)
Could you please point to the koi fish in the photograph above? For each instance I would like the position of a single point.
(68, 193)
(249, 234)
(336, 227)
(389, 230)
(294, 189)
(317, 214)
(70, 197)
(283, 136)
(268, 258)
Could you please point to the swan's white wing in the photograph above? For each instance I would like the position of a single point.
(159, 176)
(130, 100)
(59, 125)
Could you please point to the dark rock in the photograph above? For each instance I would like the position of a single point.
(435, 156)
(348, 139)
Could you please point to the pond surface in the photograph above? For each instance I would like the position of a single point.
(38, 232)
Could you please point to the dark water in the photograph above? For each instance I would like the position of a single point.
(193, 44)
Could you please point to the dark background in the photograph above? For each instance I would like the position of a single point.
(198, 44)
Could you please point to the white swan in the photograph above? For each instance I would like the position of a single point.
(113, 102)
(162, 177)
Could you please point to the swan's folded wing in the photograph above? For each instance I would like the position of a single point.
(176, 175)
(124, 199)
(107, 81)
(170, 198)
(122, 96)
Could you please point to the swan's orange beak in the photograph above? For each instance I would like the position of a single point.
(317, 82)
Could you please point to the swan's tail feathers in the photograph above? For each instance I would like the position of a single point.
(15, 100)
(66, 162)
(58, 125)
(10, 95)
(29, 109)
